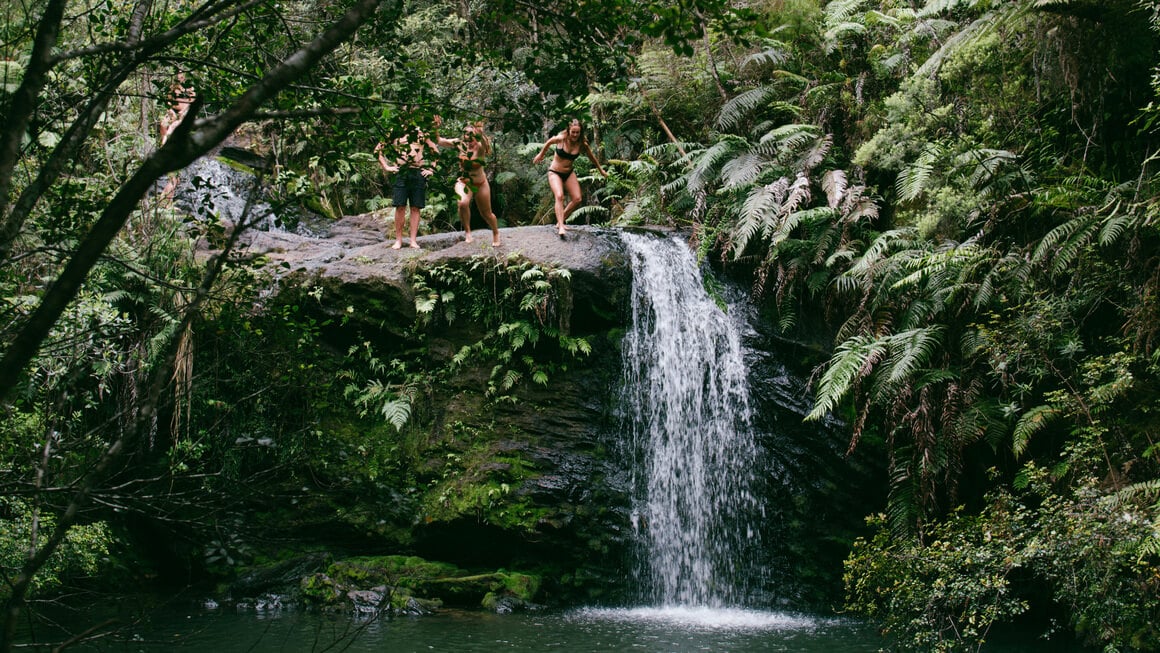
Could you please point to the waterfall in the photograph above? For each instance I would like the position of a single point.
(687, 410)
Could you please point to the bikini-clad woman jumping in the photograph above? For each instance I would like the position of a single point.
(570, 144)
(474, 148)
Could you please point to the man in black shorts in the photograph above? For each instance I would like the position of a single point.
(410, 181)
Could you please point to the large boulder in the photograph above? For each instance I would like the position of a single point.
(530, 483)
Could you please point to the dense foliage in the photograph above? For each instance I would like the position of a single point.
(963, 192)
(959, 194)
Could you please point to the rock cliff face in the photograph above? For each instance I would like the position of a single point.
(532, 482)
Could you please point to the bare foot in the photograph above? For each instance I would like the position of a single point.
(467, 237)
(495, 242)
(398, 245)
(414, 245)
(560, 231)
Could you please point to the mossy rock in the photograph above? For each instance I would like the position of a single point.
(320, 588)
(413, 581)
(401, 571)
(473, 590)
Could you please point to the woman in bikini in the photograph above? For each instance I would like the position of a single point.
(474, 148)
(570, 144)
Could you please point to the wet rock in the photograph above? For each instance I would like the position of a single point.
(278, 576)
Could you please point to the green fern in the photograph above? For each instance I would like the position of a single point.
(854, 359)
(1030, 423)
(912, 350)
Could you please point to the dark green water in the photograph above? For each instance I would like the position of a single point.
(643, 630)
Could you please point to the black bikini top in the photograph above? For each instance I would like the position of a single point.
(565, 154)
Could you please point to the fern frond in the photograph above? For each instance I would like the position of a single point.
(834, 186)
(1069, 250)
(788, 138)
(854, 360)
(1148, 490)
(1116, 225)
(914, 180)
(1030, 423)
(935, 7)
(775, 54)
(758, 213)
(901, 500)
(741, 106)
(951, 44)
(798, 194)
(911, 350)
(708, 163)
(396, 412)
(839, 11)
(816, 153)
(741, 170)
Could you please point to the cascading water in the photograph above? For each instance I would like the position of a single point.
(687, 407)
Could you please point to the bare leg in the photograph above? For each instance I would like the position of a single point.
(483, 201)
(464, 206)
(400, 213)
(414, 226)
(573, 188)
(558, 192)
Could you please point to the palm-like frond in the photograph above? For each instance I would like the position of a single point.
(915, 179)
(853, 360)
(834, 186)
(1067, 241)
(742, 169)
(775, 53)
(741, 106)
(1030, 423)
(936, 7)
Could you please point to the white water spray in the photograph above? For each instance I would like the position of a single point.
(687, 404)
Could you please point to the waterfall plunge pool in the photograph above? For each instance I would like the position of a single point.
(674, 629)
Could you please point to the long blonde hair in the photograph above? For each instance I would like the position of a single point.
(479, 135)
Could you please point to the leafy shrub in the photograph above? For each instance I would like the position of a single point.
(83, 554)
(1095, 553)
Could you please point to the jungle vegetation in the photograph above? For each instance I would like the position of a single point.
(960, 194)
